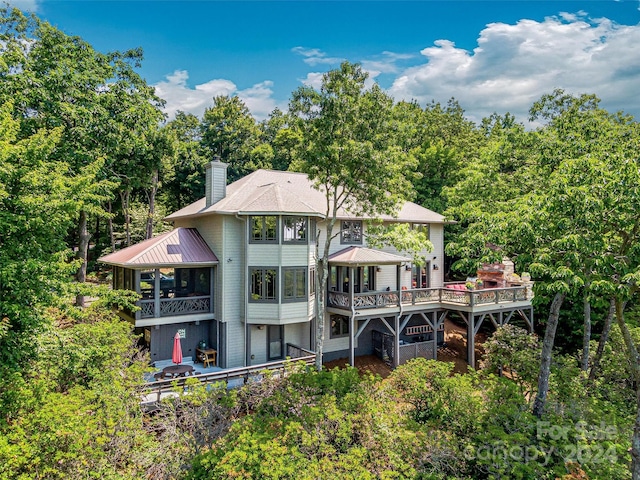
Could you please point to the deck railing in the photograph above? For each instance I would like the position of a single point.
(175, 306)
(422, 296)
(152, 392)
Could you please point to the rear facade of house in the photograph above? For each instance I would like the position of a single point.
(238, 275)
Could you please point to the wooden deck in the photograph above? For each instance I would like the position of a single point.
(389, 302)
(394, 309)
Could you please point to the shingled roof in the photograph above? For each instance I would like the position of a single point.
(365, 256)
(288, 193)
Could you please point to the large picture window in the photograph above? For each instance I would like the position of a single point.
(294, 229)
(339, 326)
(263, 287)
(294, 284)
(351, 232)
(264, 229)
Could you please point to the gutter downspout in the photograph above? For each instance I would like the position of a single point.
(246, 295)
(352, 320)
(396, 327)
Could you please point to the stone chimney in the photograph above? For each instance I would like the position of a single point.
(216, 182)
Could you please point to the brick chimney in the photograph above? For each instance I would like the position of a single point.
(216, 181)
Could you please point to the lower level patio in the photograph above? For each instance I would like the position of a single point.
(453, 350)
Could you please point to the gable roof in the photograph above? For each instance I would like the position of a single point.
(288, 193)
(365, 256)
(182, 247)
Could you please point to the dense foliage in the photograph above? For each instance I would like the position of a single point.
(423, 422)
(84, 156)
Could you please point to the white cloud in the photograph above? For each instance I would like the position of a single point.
(313, 79)
(179, 96)
(25, 5)
(259, 99)
(385, 63)
(315, 56)
(513, 65)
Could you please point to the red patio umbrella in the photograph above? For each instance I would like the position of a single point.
(177, 349)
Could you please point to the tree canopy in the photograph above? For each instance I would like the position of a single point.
(85, 155)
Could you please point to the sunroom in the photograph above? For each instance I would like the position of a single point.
(173, 273)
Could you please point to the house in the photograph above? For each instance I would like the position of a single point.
(237, 273)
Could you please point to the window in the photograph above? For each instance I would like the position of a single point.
(421, 227)
(264, 229)
(313, 233)
(351, 232)
(333, 278)
(294, 229)
(312, 281)
(263, 284)
(118, 278)
(339, 326)
(294, 284)
(192, 282)
(368, 278)
(419, 277)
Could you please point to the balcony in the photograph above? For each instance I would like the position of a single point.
(438, 296)
(169, 307)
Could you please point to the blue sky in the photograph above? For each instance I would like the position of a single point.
(490, 55)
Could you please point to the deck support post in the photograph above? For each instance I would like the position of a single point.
(396, 340)
(434, 325)
(471, 344)
(352, 320)
(352, 350)
(156, 292)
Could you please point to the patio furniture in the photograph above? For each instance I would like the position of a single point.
(207, 356)
(174, 371)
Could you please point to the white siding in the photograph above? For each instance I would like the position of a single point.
(259, 312)
(235, 344)
(333, 344)
(263, 255)
(386, 277)
(294, 255)
(297, 334)
(295, 311)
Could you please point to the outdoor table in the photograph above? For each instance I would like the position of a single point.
(173, 371)
(206, 355)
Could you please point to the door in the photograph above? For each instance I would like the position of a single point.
(420, 276)
(275, 342)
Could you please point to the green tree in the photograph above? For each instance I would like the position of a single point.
(76, 412)
(37, 207)
(285, 140)
(184, 172)
(442, 141)
(97, 100)
(351, 154)
(570, 218)
(230, 131)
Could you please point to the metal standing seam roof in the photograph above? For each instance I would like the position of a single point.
(180, 247)
(365, 256)
(277, 192)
